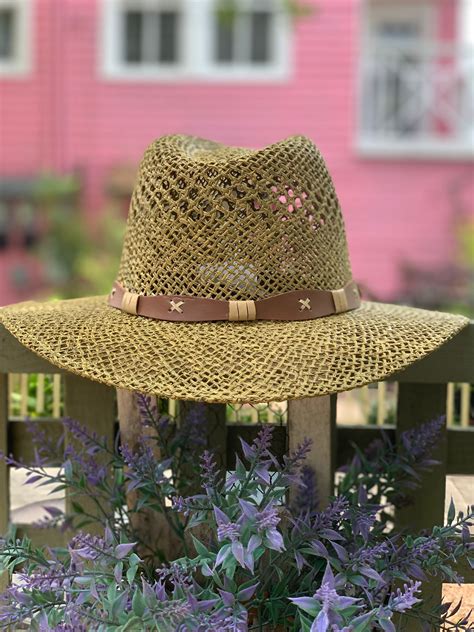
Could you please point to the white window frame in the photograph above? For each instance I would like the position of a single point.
(278, 69)
(20, 65)
(197, 45)
(367, 146)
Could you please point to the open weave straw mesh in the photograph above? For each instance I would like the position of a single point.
(234, 224)
(256, 361)
(230, 223)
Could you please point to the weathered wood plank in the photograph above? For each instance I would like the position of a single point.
(15, 358)
(93, 405)
(153, 531)
(452, 362)
(315, 418)
(418, 403)
(49, 536)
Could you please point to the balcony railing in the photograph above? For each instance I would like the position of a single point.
(418, 101)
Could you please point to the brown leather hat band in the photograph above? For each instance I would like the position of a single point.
(297, 305)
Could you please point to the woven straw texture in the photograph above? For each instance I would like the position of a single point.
(230, 223)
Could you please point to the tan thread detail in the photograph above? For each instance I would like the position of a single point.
(340, 300)
(175, 306)
(305, 304)
(130, 302)
(242, 310)
(251, 310)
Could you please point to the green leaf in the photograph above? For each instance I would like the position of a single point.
(200, 548)
(451, 512)
(77, 507)
(138, 604)
(132, 571)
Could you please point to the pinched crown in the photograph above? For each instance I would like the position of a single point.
(224, 222)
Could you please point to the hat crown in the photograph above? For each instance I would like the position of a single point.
(224, 222)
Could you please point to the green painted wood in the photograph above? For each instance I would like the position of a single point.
(459, 459)
(40, 536)
(452, 362)
(418, 403)
(93, 405)
(4, 470)
(248, 433)
(460, 445)
(213, 418)
(15, 358)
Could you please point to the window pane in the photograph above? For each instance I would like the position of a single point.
(224, 42)
(260, 36)
(398, 31)
(7, 26)
(168, 37)
(133, 36)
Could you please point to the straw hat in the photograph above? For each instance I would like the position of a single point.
(234, 285)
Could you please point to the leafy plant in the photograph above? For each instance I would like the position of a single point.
(257, 553)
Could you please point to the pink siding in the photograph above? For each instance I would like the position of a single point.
(65, 117)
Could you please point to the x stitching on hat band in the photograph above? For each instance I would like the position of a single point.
(295, 305)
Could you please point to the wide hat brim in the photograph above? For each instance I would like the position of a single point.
(256, 361)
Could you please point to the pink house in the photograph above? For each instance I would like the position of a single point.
(384, 87)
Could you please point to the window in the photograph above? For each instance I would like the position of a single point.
(143, 38)
(252, 41)
(190, 39)
(244, 39)
(14, 37)
(150, 37)
(412, 89)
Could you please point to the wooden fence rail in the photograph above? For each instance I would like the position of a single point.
(425, 390)
(41, 395)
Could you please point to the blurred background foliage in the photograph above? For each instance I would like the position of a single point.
(77, 259)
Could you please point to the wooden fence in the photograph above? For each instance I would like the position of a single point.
(39, 395)
(425, 390)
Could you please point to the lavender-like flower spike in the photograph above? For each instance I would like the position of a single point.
(263, 440)
(405, 599)
(419, 442)
(226, 529)
(209, 471)
(295, 460)
(306, 498)
(146, 409)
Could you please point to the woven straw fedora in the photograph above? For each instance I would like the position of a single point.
(234, 285)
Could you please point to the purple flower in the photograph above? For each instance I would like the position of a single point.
(306, 498)
(325, 605)
(268, 518)
(405, 599)
(226, 530)
(419, 442)
(209, 471)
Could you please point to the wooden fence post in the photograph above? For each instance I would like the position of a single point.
(418, 403)
(92, 404)
(315, 418)
(152, 529)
